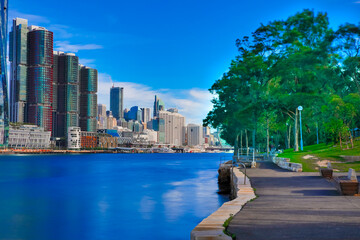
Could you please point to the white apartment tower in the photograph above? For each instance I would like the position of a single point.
(174, 125)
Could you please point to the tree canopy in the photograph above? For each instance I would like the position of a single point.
(300, 61)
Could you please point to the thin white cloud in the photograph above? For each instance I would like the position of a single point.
(66, 46)
(60, 31)
(357, 2)
(33, 19)
(193, 103)
(88, 62)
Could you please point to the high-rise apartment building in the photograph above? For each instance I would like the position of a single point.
(174, 126)
(194, 135)
(40, 77)
(18, 69)
(117, 101)
(4, 118)
(88, 98)
(159, 105)
(66, 92)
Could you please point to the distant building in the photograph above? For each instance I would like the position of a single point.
(40, 77)
(74, 138)
(173, 110)
(67, 93)
(194, 135)
(158, 125)
(174, 125)
(18, 51)
(102, 110)
(29, 136)
(145, 114)
(88, 99)
(158, 106)
(117, 101)
(134, 114)
(88, 139)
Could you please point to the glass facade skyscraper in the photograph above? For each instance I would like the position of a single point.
(88, 98)
(66, 74)
(40, 77)
(159, 105)
(117, 101)
(4, 108)
(18, 69)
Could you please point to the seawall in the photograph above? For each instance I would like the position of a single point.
(211, 228)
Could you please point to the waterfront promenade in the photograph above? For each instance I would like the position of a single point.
(293, 205)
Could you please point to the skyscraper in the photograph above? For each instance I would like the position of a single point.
(159, 105)
(117, 101)
(174, 127)
(88, 98)
(102, 110)
(4, 118)
(146, 114)
(18, 69)
(67, 79)
(40, 77)
(194, 134)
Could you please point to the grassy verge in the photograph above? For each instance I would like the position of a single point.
(321, 152)
(226, 225)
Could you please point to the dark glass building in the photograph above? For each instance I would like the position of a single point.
(158, 106)
(4, 108)
(117, 101)
(40, 77)
(88, 99)
(66, 93)
(18, 70)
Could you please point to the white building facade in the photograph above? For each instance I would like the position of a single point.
(29, 136)
(174, 125)
(74, 138)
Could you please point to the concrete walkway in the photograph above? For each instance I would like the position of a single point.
(296, 206)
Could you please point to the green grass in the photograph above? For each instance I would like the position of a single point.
(325, 152)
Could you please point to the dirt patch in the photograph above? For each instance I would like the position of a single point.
(308, 157)
(322, 163)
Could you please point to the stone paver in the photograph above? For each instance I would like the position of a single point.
(294, 205)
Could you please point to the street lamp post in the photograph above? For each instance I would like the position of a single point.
(300, 108)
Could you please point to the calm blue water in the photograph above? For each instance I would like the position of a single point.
(106, 196)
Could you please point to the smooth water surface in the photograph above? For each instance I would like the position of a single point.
(106, 196)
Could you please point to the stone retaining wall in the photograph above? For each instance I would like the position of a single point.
(286, 164)
(211, 228)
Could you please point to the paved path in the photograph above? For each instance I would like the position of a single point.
(296, 206)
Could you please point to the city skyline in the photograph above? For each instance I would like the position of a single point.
(198, 47)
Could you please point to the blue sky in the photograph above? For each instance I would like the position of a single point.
(175, 49)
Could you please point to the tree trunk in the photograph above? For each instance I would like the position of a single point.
(241, 143)
(247, 143)
(254, 140)
(296, 132)
(267, 137)
(340, 141)
(351, 140)
(289, 139)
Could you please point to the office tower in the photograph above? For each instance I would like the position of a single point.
(101, 110)
(174, 124)
(194, 134)
(18, 69)
(66, 75)
(40, 77)
(88, 98)
(158, 106)
(134, 114)
(117, 101)
(146, 114)
(4, 118)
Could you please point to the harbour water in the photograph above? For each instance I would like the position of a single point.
(106, 196)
